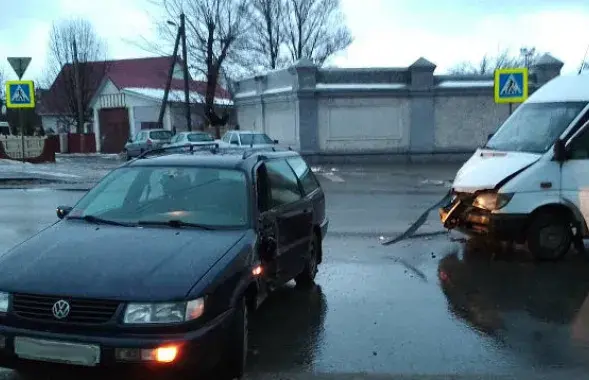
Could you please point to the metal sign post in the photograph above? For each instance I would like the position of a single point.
(20, 94)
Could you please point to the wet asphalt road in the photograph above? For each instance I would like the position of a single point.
(428, 306)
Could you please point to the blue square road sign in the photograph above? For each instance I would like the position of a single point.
(20, 94)
(511, 85)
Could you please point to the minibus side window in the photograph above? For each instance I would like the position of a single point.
(579, 148)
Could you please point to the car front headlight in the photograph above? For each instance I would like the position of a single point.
(4, 302)
(492, 201)
(169, 312)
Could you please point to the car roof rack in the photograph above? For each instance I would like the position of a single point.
(212, 147)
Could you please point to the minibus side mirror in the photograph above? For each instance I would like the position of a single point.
(559, 151)
(62, 211)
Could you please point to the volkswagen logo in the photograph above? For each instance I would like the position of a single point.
(61, 309)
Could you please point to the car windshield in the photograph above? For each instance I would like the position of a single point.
(212, 197)
(534, 127)
(196, 137)
(257, 138)
(160, 135)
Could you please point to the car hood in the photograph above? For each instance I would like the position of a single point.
(76, 258)
(486, 168)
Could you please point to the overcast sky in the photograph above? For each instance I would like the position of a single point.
(386, 32)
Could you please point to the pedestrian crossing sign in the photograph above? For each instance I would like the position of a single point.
(511, 85)
(20, 94)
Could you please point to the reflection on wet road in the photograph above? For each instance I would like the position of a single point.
(538, 312)
(424, 306)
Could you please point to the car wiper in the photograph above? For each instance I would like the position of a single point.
(174, 223)
(96, 219)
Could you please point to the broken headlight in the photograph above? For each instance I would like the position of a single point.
(492, 201)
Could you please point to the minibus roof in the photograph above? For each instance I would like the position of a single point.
(563, 88)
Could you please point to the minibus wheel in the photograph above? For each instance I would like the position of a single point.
(549, 235)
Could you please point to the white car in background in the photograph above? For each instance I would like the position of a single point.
(185, 139)
(246, 139)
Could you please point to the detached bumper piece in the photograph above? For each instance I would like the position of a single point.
(473, 221)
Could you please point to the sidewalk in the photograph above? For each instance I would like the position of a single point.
(400, 178)
(64, 170)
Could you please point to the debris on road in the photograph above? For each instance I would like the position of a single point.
(419, 222)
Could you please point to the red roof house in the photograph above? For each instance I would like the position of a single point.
(124, 92)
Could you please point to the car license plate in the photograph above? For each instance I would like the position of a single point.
(57, 352)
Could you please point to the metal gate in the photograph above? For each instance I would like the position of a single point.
(114, 129)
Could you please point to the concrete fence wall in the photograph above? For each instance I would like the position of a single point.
(351, 114)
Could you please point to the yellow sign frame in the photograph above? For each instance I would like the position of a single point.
(497, 89)
(30, 84)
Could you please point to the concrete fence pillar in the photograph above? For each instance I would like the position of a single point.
(260, 119)
(306, 107)
(421, 128)
(546, 68)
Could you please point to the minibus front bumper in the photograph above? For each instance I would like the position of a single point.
(460, 215)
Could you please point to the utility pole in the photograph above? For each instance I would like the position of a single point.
(164, 105)
(185, 59)
(77, 81)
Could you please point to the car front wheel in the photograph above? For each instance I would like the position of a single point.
(233, 365)
(549, 236)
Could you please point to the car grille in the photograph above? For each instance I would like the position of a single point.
(87, 311)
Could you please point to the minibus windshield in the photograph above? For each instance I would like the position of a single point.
(534, 127)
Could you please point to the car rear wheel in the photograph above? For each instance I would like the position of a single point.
(233, 365)
(307, 277)
(549, 236)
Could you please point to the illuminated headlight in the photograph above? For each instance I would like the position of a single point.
(4, 302)
(171, 312)
(492, 201)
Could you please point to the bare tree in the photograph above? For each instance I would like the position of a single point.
(504, 59)
(315, 29)
(216, 33)
(77, 61)
(267, 33)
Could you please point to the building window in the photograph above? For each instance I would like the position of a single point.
(149, 125)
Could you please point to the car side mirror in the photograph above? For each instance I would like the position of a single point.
(489, 136)
(129, 140)
(62, 211)
(275, 141)
(559, 151)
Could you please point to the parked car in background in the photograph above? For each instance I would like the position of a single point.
(4, 128)
(246, 139)
(172, 254)
(146, 140)
(184, 140)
